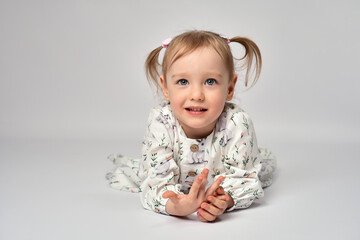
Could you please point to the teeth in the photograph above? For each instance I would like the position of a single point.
(197, 109)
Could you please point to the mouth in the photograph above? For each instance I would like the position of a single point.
(196, 109)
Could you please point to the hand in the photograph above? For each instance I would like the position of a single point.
(185, 204)
(215, 206)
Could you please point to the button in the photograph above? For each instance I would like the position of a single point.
(194, 148)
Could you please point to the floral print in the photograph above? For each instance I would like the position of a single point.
(171, 162)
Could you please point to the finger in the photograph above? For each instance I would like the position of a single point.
(223, 197)
(217, 192)
(194, 190)
(169, 194)
(212, 209)
(198, 183)
(219, 203)
(202, 189)
(206, 215)
(220, 191)
(201, 217)
(211, 190)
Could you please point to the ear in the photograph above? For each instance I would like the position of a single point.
(231, 88)
(164, 88)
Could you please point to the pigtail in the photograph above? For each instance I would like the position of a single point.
(252, 56)
(152, 67)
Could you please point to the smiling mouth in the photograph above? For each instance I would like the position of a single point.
(196, 109)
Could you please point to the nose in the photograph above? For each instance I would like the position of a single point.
(197, 93)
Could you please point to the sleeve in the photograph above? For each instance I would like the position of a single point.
(159, 171)
(242, 162)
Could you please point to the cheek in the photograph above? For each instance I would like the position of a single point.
(172, 95)
(219, 95)
(218, 100)
(175, 101)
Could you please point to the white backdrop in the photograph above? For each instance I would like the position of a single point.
(74, 71)
(75, 68)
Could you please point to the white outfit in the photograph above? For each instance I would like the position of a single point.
(171, 161)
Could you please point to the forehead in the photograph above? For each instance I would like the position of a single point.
(200, 59)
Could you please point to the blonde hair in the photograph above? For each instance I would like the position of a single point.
(188, 42)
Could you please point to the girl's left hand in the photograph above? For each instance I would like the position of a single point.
(215, 207)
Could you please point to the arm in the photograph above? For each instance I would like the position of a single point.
(159, 171)
(242, 164)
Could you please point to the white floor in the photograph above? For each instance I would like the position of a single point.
(55, 189)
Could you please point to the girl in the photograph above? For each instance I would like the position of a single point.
(200, 152)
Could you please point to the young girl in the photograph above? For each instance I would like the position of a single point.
(200, 152)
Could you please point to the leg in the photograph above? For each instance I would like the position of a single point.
(125, 175)
(268, 167)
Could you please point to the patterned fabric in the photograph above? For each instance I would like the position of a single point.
(171, 161)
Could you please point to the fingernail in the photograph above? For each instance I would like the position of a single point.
(204, 205)
(206, 171)
(200, 178)
(210, 198)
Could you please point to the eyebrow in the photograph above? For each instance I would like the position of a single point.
(207, 73)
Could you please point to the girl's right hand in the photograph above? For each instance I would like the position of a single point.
(185, 204)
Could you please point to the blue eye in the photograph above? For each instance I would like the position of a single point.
(210, 81)
(183, 82)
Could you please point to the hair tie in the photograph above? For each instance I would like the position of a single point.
(226, 38)
(166, 42)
